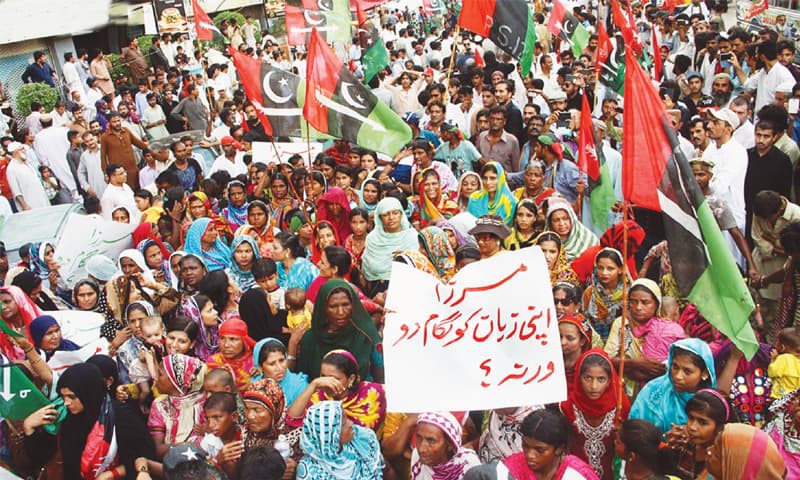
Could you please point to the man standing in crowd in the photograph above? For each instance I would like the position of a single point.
(39, 71)
(116, 146)
(26, 186)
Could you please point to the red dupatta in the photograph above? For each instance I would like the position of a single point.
(594, 408)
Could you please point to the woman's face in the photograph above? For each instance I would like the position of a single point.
(259, 419)
(339, 310)
(243, 255)
(197, 208)
(432, 188)
(572, 341)
(153, 257)
(314, 189)
(490, 181)
(642, 306)
(278, 252)
(525, 219)
(191, 272)
(392, 221)
(71, 401)
(564, 304)
(325, 269)
(135, 317)
(561, 223)
(469, 185)
(325, 237)
(701, 428)
(275, 366)
(451, 238)
(432, 445)
(686, 376)
(231, 346)
(279, 189)
(210, 235)
(359, 225)
(370, 193)
(534, 179)
(421, 158)
(539, 455)
(129, 267)
(120, 215)
(328, 370)
(257, 217)
(179, 342)
(488, 244)
(368, 162)
(86, 297)
(51, 338)
(328, 172)
(48, 254)
(237, 196)
(595, 381)
(209, 314)
(550, 250)
(608, 272)
(343, 180)
(175, 264)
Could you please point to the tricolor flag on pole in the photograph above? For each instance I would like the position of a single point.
(592, 162)
(657, 176)
(338, 104)
(507, 23)
(330, 17)
(565, 25)
(204, 27)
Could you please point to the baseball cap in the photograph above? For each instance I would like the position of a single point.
(428, 71)
(228, 140)
(411, 117)
(449, 127)
(692, 75)
(726, 115)
(183, 453)
(14, 146)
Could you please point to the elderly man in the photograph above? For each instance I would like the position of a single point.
(24, 181)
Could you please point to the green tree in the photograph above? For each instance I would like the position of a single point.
(35, 92)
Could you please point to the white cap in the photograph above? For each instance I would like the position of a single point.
(726, 115)
(13, 147)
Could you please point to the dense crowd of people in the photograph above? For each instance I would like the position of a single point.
(243, 331)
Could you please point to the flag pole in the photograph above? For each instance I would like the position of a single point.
(624, 317)
(452, 59)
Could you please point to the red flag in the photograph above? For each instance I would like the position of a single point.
(249, 70)
(604, 47)
(476, 16)
(587, 155)
(625, 27)
(554, 26)
(364, 4)
(361, 16)
(657, 62)
(202, 22)
(479, 59)
(645, 151)
(322, 75)
(757, 8)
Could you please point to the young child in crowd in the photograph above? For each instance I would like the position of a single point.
(784, 370)
(299, 314)
(265, 272)
(144, 370)
(670, 310)
(50, 183)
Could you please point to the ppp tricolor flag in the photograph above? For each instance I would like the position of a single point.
(338, 104)
(329, 17)
(374, 55)
(565, 25)
(203, 25)
(656, 175)
(507, 23)
(592, 162)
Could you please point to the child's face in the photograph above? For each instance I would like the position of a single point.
(268, 283)
(151, 334)
(220, 422)
(46, 173)
(358, 225)
(149, 159)
(209, 315)
(142, 203)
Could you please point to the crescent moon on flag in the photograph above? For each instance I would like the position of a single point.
(313, 18)
(325, 5)
(271, 93)
(349, 98)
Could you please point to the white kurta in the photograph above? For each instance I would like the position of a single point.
(24, 181)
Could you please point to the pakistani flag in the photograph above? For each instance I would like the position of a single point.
(507, 23)
(338, 104)
(657, 176)
(565, 25)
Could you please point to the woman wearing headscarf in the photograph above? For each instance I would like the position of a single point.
(334, 208)
(469, 183)
(591, 409)
(137, 281)
(255, 311)
(556, 257)
(244, 253)
(87, 296)
(575, 238)
(264, 406)
(448, 459)
(436, 246)
(148, 231)
(155, 260)
(335, 449)
(174, 415)
(602, 299)
(235, 347)
(743, 451)
(392, 233)
(663, 400)
(614, 238)
(495, 197)
(18, 312)
(31, 284)
(46, 334)
(94, 438)
(203, 240)
(259, 226)
(43, 265)
(236, 211)
(432, 205)
(370, 194)
(201, 207)
(339, 321)
(502, 437)
(576, 339)
(133, 344)
(272, 357)
(282, 198)
(784, 430)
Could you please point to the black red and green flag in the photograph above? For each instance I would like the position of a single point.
(204, 27)
(565, 25)
(374, 55)
(277, 95)
(330, 17)
(592, 162)
(656, 176)
(612, 69)
(340, 105)
(507, 23)
(604, 47)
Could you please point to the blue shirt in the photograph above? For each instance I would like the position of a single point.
(566, 179)
(39, 74)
